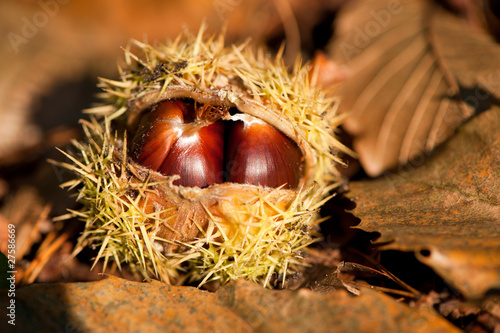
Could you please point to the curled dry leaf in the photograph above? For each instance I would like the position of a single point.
(116, 305)
(417, 72)
(447, 210)
(25, 210)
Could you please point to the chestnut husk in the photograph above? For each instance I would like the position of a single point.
(227, 231)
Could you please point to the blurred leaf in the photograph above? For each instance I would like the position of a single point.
(116, 305)
(447, 210)
(52, 59)
(52, 51)
(417, 72)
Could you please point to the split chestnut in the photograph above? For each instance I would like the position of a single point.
(180, 137)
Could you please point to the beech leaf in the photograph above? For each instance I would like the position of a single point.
(417, 72)
(446, 210)
(116, 305)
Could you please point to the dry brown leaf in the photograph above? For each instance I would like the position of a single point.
(25, 210)
(116, 305)
(417, 72)
(307, 311)
(447, 210)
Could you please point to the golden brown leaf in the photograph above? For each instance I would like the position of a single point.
(116, 305)
(417, 73)
(447, 210)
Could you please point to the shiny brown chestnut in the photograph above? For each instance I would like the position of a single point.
(158, 131)
(258, 154)
(168, 144)
(197, 157)
(179, 137)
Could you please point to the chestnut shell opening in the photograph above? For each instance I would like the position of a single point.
(206, 144)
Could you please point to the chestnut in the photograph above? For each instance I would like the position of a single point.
(255, 152)
(158, 131)
(197, 157)
(193, 150)
(258, 154)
